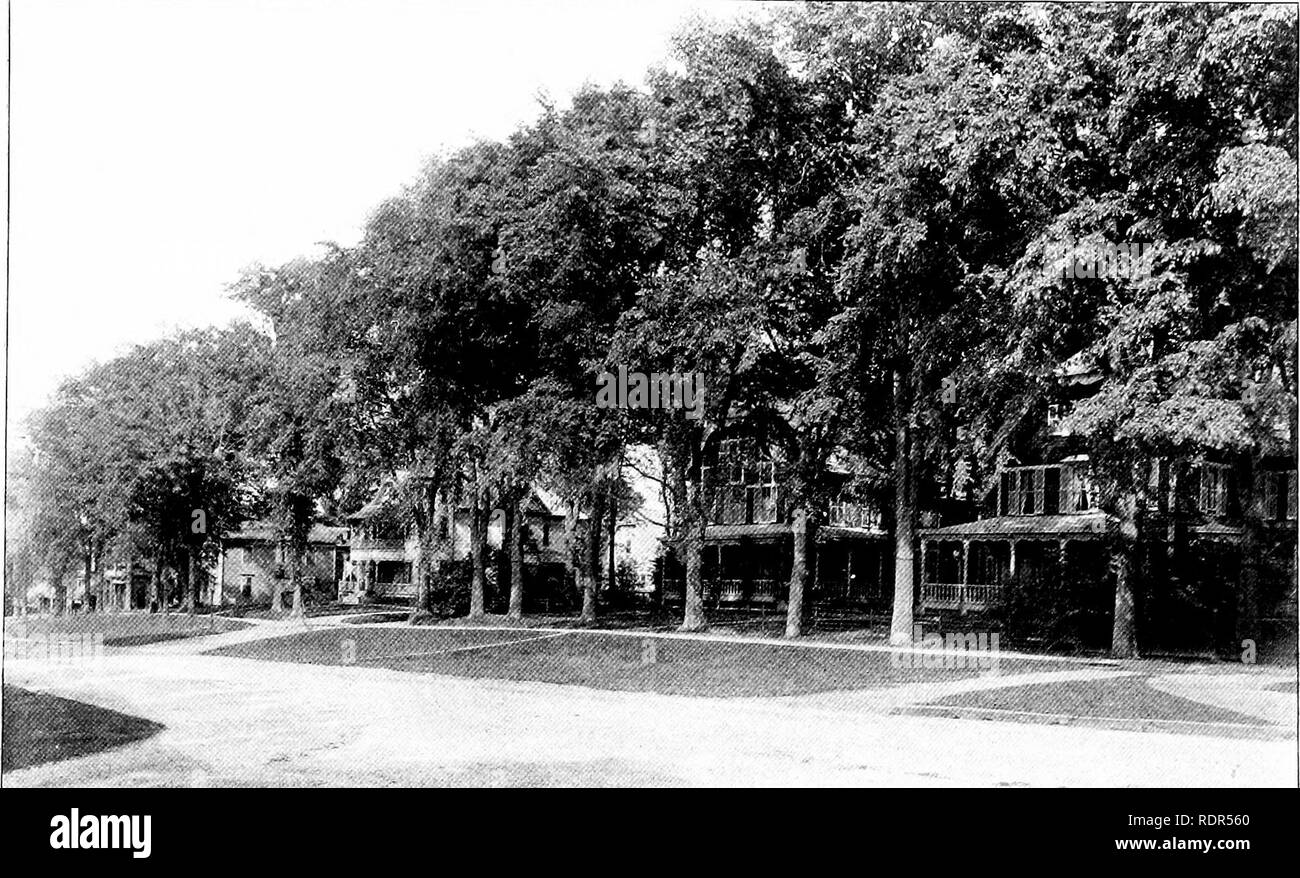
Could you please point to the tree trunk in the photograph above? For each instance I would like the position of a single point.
(277, 602)
(591, 560)
(192, 580)
(156, 586)
(87, 589)
(906, 454)
(478, 550)
(1251, 502)
(297, 553)
(169, 579)
(1123, 639)
(688, 524)
(420, 607)
(693, 618)
(515, 524)
(426, 521)
(572, 569)
(798, 573)
(128, 598)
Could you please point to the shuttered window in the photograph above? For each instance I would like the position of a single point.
(1051, 491)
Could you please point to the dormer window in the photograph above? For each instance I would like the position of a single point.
(1056, 413)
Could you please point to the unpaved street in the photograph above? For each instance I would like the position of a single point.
(237, 721)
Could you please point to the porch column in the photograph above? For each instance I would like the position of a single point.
(965, 576)
(1011, 572)
(925, 552)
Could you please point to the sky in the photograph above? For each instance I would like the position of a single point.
(158, 147)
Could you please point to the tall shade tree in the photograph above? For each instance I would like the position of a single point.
(297, 428)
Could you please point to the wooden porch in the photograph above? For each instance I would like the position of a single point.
(967, 567)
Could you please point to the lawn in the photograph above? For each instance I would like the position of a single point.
(1125, 701)
(127, 629)
(609, 661)
(40, 728)
(310, 609)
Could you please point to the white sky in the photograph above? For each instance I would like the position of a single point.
(157, 146)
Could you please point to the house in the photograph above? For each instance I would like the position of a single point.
(1040, 541)
(134, 594)
(385, 549)
(748, 546)
(255, 556)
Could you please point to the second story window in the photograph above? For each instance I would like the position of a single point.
(1210, 481)
(741, 487)
(1045, 490)
(1078, 494)
(1277, 492)
(1029, 494)
(762, 490)
(848, 510)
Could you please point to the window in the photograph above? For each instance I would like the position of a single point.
(1278, 490)
(1051, 477)
(762, 492)
(1153, 483)
(741, 487)
(847, 510)
(1056, 413)
(1029, 492)
(1044, 490)
(1078, 490)
(1212, 495)
(1267, 485)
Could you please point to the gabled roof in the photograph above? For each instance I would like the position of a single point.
(541, 502)
(544, 502)
(382, 497)
(266, 532)
(1082, 368)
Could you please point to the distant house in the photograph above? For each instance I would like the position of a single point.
(254, 556)
(748, 545)
(385, 549)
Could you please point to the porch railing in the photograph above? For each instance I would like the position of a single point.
(956, 596)
(372, 544)
(727, 591)
(393, 589)
(858, 591)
